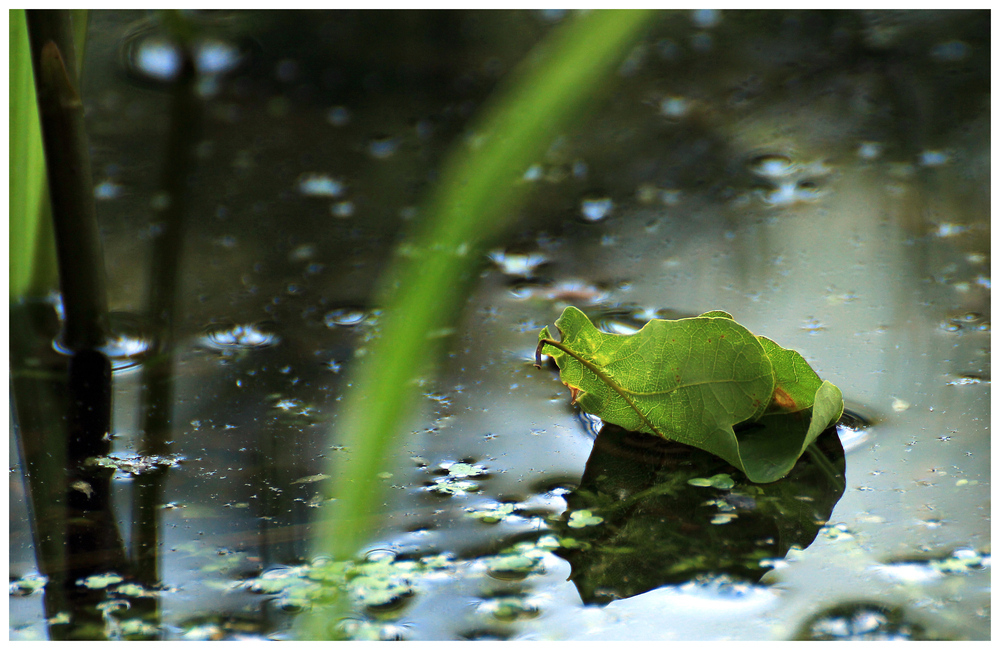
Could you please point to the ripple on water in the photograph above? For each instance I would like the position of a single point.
(233, 338)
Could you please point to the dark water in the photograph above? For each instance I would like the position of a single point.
(824, 177)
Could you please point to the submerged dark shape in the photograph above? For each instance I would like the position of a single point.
(637, 523)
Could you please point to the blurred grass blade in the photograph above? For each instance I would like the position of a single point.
(32, 251)
(424, 289)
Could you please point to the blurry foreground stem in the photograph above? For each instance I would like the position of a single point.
(78, 245)
(431, 275)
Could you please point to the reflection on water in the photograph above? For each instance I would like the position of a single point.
(821, 176)
(652, 519)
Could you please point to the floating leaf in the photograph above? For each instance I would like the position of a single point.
(706, 381)
(720, 481)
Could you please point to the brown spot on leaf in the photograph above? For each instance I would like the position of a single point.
(782, 399)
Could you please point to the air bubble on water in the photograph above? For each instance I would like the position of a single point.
(950, 51)
(343, 209)
(227, 338)
(345, 317)
(517, 264)
(675, 107)
(950, 325)
(966, 380)
(127, 344)
(126, 350)
(596, 209)
(107, 190)
(157, 59)
(706, 18)
(870, 150)
(772, 166)
(671, 197)
(216, 57)
(932, 158)
(383, 148)
(533, 173)
(321, 185)
(574, 292)
(813, 326)
(338, 116)
(946, 229)
(860, 622)
(302, 253)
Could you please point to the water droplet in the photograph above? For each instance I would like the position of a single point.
(343, 209)
(813, 326)
(534, 173)
(860, 622)
(933, 158)
(869, 150)
(345, 317)
(156, 59)
(302, 253)
(383, 148)
(675, 107)
(517, 264)
(338, 116)
(213, 57)
(128, 344)
(596, 209)
(706, 18)
(567, 291)
(322, 185)
(951, 325)
(950, 51)
(230, 338)
(966, 380)
(107, 190)
(772, 166)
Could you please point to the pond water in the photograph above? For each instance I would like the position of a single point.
(824, 177)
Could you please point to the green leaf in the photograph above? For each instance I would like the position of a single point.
(795, 382)
(720, 481)
(706, 381)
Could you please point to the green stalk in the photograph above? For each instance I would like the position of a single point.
(429, 279)
(78, 245)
